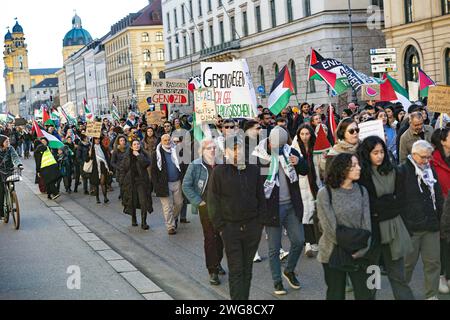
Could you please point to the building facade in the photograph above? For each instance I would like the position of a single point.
(134, 56)
(420, 33)
(46, 92)
(75, 39)
(269, 34)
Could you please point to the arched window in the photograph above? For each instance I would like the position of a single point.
(276, 70)
(412, 64)
(147, 55)
(160, 54)
(310, 84)
(145, 37)
(293, 72)
(159, 36)
(262, 80)
(148, 78)
(162, 75)
(447, 66)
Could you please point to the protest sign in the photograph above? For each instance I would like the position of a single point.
(155, 117)
(169, 91)
(371, 128)
(94, 129)
(70, 109)
(413, 90)
(370, 92)
(232, 89)
(205, 105)
(439, 99)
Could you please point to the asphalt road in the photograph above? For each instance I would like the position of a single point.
(44, 248)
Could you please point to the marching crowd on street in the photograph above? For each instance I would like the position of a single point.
(350, 202)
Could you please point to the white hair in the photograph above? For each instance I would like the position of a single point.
(422, 145)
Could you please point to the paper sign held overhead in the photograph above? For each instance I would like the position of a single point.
(371, 128)
(439, 99)
(205, 105)
(170, 91)
(156, 117)
(94, 129)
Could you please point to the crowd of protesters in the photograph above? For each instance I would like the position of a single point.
(356, 204)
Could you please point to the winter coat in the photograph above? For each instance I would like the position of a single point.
(340, 147)
(160, 178)
(194, 183)
(9, 160)
(94, 177)
(49, 174)
(118, 155)
(64, 164)
(131, 181)
(445, 221)
(82, 153)
(443, 172)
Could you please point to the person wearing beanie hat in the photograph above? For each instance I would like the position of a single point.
(281, 165)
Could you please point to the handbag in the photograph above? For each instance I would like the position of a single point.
(88, 166)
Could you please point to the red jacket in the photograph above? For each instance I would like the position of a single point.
(442, 171)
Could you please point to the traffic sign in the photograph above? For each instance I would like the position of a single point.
(383, 51)
(381, 68)
(261, 89)
(383, 58)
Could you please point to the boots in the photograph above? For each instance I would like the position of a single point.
(134, 220)
(144, 224)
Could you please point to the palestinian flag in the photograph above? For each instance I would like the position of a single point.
(115, 112)
(194, 83)
(37, 114)
(53, 142)
(87, 113)
(425, 83)
(333, 73)
(392, 91)
(46, 120)
(322, 144)
(281, 92)
(315, 57)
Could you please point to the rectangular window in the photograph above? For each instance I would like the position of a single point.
(183, 17)
(202, 39)
(199, 8)
(168, 21)
(233, 28)
(445, 6)
(211, 36)
(175, 18)
(273, 13)
(290, 15)
(408, 11)
(193, 43)
(222, 34)
(258, 18)
(219, 3)
(185, 45)
(209, 6)
(170, 50)
(244, 23)
(178, 52)
(307, 7)
(23, 88)
(190, 10)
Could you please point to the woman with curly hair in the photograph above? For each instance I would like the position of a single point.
(343, 205)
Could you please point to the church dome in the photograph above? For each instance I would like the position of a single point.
(77, 36)
(8, 36)
(17, 28)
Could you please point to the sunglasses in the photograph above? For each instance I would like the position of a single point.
(353, 131)
(229, 127)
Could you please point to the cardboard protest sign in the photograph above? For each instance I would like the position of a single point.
(70, 109)
(439, 99)
(170, 91)
(156, 117)
(232, 89)
(371, 128)
(205, 105)
(94, 129)
(370, 92)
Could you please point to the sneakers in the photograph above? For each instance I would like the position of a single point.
(56, 196)
(172, 232)
(291, 279)
(279, 289)
(443, 286)
(308, 251)
(315, 248)
(257, 258)
(433, 298)
(214, 279)
(283, 254)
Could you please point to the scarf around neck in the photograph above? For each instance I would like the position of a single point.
(100, 157)
(426, 176)
(173, 154)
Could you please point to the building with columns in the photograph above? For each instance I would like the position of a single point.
(420, 33)
(269, 34)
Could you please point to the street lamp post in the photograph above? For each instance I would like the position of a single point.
(352, 49)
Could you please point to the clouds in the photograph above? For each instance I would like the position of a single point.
(45, 23)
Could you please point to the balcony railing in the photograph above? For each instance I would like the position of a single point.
(227, 46)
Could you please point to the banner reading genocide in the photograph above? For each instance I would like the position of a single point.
(232, 88)
(170, 91)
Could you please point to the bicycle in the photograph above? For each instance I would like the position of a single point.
(11, 202)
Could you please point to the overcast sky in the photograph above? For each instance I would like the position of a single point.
(45, 23)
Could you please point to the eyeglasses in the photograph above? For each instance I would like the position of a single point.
(229, 127)
(425, 158)
(353, 131)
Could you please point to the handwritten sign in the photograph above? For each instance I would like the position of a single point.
(370, 92)
(205, 105)
(439, 99)
(170, 91)
(233, 91)
(413, 90)
(94, 129)
(156, 117)
(371, 128)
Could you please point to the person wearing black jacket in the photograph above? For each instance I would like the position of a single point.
(281, 165)
(379, 177)
(420, 190)
(101, 169)
(237, 207)
(82, 155)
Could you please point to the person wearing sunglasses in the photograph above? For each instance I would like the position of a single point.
(347, 134)
(228, 129)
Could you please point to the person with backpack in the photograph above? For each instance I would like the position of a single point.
(344, 213)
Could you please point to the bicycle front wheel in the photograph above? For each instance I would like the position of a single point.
(6, 207)
(15, 210)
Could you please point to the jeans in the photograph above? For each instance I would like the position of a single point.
(241, 241)
(294, 228)
(183, 213)
(172, 205)
(426, 244)
(213, 244)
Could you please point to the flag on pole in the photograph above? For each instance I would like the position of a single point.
(322, 144)
(332, 123)
(194, 83)
(392, 91)
(281, 92)
(46, 120)
(87, 113)
(315, 57)
(425, 83)
(53, 142)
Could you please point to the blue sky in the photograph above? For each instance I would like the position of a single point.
(45, 22)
